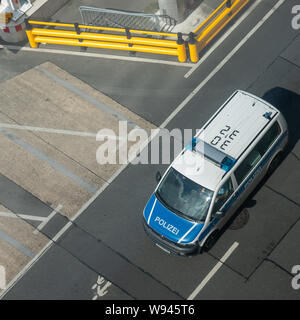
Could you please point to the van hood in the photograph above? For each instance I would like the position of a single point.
(169, 224)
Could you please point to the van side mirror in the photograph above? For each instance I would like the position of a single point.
(218, 214)
(158, 176)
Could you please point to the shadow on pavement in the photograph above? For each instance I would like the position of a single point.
(288, 103)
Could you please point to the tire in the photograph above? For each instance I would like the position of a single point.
(275, 163)
(210, 241)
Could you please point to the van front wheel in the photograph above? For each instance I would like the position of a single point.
(210, 241)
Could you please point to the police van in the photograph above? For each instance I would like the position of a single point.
(214, 174)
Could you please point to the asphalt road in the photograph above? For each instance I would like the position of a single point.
(107, 239)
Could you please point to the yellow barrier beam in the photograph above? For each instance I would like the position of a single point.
(103, 37)
(31, 39)
(109, 41)
(221, 21)
(105, 45)
(122, 30)
(213, 28)
(210, 16)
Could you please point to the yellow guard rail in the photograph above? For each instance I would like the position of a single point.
(136, 40)
(122, 39)
(203, 35)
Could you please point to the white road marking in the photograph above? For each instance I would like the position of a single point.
(100, 291)
(22, 216)
(48, 130)
(213, 271)
(59, 131)
(89, 202)
(97, 55)
(224, 37)
(51, 215)
(221, 64)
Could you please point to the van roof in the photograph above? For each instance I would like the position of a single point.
(237, 123)
(195, 167)
(223, 139)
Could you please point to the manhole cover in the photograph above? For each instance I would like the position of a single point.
(240, 221)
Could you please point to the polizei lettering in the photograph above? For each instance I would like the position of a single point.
(166, 225)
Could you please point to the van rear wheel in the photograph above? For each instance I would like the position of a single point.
(275, 163)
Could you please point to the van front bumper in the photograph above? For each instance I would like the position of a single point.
(168, 245)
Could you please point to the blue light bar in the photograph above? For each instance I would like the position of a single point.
(227, 163)
(220, 158)
(191, 145)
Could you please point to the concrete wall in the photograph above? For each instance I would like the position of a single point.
(173, 8)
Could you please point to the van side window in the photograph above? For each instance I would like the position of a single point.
(223, 195)
(257, 153)
(269, 137)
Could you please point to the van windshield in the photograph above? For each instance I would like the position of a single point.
(183, 196)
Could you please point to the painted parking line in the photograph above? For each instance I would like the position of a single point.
(98, 136)
(213, 271)
(62, 131)
(98, 55)
(22, 216)
(51, 215)
(48, 130)
(43, 220)
(100, 287)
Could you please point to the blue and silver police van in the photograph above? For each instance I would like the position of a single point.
(214, 174)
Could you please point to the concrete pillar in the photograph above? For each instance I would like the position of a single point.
(173, 8)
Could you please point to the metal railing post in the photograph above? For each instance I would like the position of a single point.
(30, 36)
(182, 56)
(194, 57)
(128, 36)
(228, 4)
